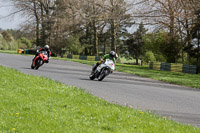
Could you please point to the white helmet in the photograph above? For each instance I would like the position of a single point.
(46, 47)
(112, 54)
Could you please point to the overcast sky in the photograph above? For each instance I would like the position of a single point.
(11, 22)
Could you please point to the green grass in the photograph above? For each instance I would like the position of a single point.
(9, 51)
(31, 104)
(123, 60)
(189, 80)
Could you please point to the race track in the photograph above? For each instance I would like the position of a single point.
(179, 103)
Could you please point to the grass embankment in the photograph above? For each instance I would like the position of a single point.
(189, 80)
(37, 104)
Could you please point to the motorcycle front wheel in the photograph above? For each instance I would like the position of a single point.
(92, 77)
(37, 64)
(32, 66)
(102, 75)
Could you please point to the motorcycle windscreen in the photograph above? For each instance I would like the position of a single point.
(44, 52)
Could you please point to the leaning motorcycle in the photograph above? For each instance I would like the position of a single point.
(103, 70)
(39, 60)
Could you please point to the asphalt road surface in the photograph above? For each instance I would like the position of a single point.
(178, 103)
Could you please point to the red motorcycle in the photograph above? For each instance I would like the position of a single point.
(39, 60)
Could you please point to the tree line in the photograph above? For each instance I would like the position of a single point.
(165, 30)
(13, 40)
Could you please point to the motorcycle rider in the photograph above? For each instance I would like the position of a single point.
(112, 56)
(45, 48)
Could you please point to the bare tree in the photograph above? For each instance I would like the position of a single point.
(38, 13)
(172, 16)
(117, 16)
(93, 15)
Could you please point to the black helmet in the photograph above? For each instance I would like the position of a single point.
(112, 54)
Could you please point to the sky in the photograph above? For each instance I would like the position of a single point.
(11, 22)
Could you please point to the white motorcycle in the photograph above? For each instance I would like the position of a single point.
(103, 70)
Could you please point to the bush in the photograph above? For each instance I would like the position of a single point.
(26, 42)
(74, 45)
(3, 44)
(7, 42)
(160, 58)
(13, 45)
(149, 56)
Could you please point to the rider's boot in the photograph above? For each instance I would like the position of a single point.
(95, 67)
(93, 70)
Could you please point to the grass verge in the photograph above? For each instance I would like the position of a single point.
(37, 104)
(9, 51)
(189, 80)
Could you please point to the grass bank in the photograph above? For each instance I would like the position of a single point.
(189, 80)
(32, 104)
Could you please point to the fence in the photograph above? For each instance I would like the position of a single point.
(26, 51)
(70, 56)
(173, 67)
(82, 57)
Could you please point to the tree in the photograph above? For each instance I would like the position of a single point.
(7, 41)
(38, 14)
(117, 17)
(55, 21)
(17, 34)
(135, 43)
(93, 13)
(8, 37)
(171, 16)
(64, 24)
(26, 42)
(164, 49)
(195, 48)
(3, 43)
(74, 45)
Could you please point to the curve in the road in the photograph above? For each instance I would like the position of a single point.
(176, 102)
